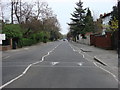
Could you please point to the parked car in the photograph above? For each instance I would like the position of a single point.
(64, 40)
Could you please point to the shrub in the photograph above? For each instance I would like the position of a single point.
(26, 42)
(12, 31)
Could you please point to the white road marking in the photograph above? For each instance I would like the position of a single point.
(115, 77)
(25, 71)
(81, 63)
(27, 68)
(6, 57)
(54, 63)
(107, 72)
(15, 51)
(77, 51)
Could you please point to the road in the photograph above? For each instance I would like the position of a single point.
(53, 65)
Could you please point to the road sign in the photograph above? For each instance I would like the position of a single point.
(2, 37)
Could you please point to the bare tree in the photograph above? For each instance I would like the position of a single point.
(27, 12)
(42, 10)
(12, 4)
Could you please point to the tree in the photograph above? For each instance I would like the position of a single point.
(12, 31)
(113, 25)
(89, 24)
(78, 18)
(115, 13)
(114, 19)
(12, 4)
(82, 21)
(78, 24)
(37, 22)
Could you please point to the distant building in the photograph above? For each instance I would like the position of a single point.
(7, 21)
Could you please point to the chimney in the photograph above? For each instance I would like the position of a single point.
(104, 14)
(101, 15)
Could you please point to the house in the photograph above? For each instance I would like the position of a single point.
(85, 40)
(102, 38)
(105, 22)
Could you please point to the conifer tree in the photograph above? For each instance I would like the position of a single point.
(78, 24)
(89, 24)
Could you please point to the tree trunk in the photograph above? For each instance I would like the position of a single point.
(12, 3)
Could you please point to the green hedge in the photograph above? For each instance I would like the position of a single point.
(12, 31)
(34, 38)
(15, 31)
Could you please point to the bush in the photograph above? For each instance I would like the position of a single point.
(12, 31)
(26, 42)
(34, 38)
(15, 31)
(41, 37)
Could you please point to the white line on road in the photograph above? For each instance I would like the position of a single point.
(77, 51)
(107, 72)
(81, 63)
(54, 63)
(25, 71)
(6, 57)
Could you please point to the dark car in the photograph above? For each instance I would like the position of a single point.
(64, 39)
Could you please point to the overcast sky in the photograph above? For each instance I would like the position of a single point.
(64, 8)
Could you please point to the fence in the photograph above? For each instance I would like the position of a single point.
(102, 41)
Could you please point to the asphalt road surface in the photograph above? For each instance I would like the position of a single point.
(53, 65)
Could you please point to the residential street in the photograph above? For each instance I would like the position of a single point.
(54, 65)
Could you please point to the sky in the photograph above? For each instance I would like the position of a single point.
(64, 8)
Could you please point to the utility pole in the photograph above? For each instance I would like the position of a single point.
(0, 18)
(119, 29)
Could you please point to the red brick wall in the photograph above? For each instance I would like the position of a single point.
(92, 39)
(4, 48)
(102, 41)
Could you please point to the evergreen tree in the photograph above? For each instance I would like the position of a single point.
(77, 25)
(115, 13)
(89, 24)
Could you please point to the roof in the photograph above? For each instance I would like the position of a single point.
(106, 15)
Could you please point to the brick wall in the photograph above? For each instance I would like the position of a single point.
(102, 41)
(92, 39)
(5, 48)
